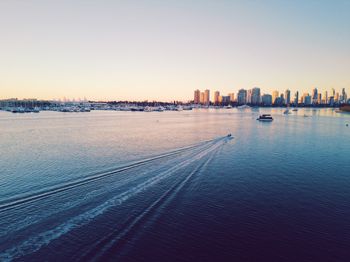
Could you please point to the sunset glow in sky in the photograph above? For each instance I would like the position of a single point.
(164, 50)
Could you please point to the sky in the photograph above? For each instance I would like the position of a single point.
(164, 50)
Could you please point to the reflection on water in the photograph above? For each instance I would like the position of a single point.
(137, 186)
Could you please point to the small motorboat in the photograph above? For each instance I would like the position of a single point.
(286, 112)
(229, 135)
(295, 109)
(265, 118)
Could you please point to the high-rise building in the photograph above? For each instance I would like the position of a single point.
(197, 96)
(225, 100)
(266, 100)
(287, 96)
(249, 96)
(206, 97)
(274, 96)
(343, 96)
(255, 99)
(216, 97)
(333, 92)
(325, 97)
(307, 100)
(336, 98)
(242, 97)
(296, 98)
(314, 95)
(201, 100)
(319, 98)
(232, 97)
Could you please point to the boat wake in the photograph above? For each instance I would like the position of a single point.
(55, 212)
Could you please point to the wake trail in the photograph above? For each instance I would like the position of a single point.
(14, 202)
(36, 242)
(118, 238)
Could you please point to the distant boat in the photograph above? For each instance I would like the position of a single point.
(295, 109)
(286, 112)
(187, 107)
(243, 107)
(265, 118)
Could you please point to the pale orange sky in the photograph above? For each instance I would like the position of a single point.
(164, 50)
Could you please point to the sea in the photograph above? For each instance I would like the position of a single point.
(173, 186)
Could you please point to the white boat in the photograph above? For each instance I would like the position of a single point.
(265, 118)
(243, 107)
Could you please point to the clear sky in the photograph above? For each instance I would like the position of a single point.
(163, 50)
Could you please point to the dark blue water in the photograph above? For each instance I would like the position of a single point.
(125, 186)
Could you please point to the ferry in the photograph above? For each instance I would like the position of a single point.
(265, 118)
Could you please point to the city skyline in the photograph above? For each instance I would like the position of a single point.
(162, 50)
(255, 96)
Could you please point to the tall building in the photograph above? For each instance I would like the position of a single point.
(216, 97)
(314, 95)
(325, 97)
(319, 98)
(249, 96)
(287, 96)
(206, 97)
(266, 100)
(232, 97)
(201, 100)
(336, 98)
(296, 98)
(343, 96)
(225, 100)
(242, 97)
(274, 96)
(333, 92)
(255, 100)
(307, 100)
(197, 96)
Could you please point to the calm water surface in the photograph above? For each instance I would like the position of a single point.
(170, 186)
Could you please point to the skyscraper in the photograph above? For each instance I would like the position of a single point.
(319, 98)
(216, 97)
(333, 92)
(232, 97)
(314, 95)
(249, 96)
(266, 100)
(344, 96)
(197, 96)
(206, 97)
(255, 100)
(202, 98)
(274, 96)
(325, 97)
(296, 98)
(287, 96)
(336, 98)
(242, 97)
